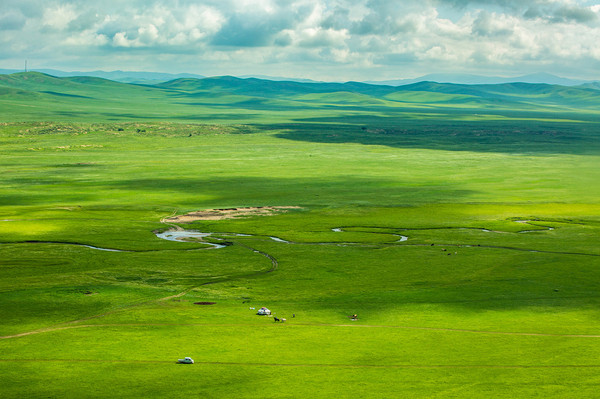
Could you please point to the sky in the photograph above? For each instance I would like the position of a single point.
(315, 39)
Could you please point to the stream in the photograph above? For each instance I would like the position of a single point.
(198, 236)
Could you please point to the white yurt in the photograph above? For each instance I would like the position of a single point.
(263, 311)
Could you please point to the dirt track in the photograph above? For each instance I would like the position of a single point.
(316, 365)
(73, 325)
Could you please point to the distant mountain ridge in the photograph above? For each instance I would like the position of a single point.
(544, 78)
(117, 76)
(159, 77)
(233, 99)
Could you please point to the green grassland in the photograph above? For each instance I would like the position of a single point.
(460, 223)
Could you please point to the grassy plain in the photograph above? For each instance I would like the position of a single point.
(495, 293)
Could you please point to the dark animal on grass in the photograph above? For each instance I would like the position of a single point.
(276, 319)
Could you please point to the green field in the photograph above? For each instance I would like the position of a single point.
(460, 223)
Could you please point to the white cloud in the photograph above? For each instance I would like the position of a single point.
(319, 37)
(87, 38)
(348, 39)
(199, 18)
(59, 17)
(120, 40)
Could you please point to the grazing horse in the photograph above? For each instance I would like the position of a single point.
(283, 320)
(276, 319)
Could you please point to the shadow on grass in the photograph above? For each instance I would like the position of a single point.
(532, 137)
(258, 104)
(64, 94)
(241, 191)
(42, 199)
(256, 191)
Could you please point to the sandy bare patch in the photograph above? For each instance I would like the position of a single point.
(229, 213)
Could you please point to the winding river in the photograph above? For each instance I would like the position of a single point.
(197, 236)
(186, 235)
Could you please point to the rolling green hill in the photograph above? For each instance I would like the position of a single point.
(460, 223)
(251, 100)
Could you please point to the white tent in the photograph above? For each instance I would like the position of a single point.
(263, 311)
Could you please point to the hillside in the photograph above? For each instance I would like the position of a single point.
(252, 100)
(457, 78)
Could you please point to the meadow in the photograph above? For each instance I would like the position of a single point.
(460, 223)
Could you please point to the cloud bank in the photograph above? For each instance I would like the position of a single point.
(323, 39)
